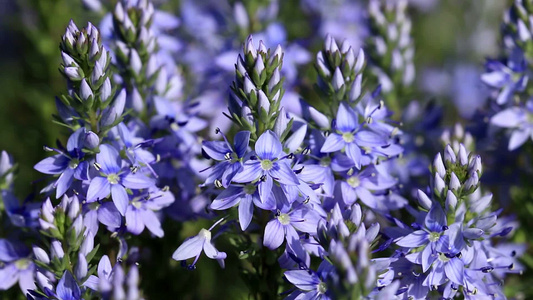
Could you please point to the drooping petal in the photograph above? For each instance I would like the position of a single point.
(64, 181)
(120, 198)
(152, 223)
(134, 220)
(246, 212)
(274, 234)
(99, 188)
(109, 215)
(518, 138)
(366, 197)
(346, 119)
(210, 250)
(265, 188)
(109, 159)
(333, 143)
(268, 146)
(454, 270)
(190, 248)
(8, 276)
(354, 153)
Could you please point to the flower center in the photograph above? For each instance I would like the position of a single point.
(322, 288)
(22, 264)
(353, 181)
(249, 189)
(284, 219)
(348, 137)
(73, 163)
(325, 161)
(112, 178)
(137, 204)
(434, 236)
(443, 257)
(206, 234)
(266, 164)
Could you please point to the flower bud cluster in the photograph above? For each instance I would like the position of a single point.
(517, 28)
(258, 88)
(391, 47)
(340, 71)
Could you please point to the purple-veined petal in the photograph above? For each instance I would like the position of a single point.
(302, 279)
(216, 149)
(354, 153)
(99, 188)
(125, 135)
(137, 181)
(268, 146)
(134, 220)
(109, 159)
(274, 234)
(190, 248)
(346, 119)
(120, 198)
(348, 193)
(109, 215)
(435, 219)
(283, 173)
(454, 270)
(64, 181)
(230, 172)
(436, 276)
(333, 143)
(366, 138)
(250, 172)
(414, 239)
(52, 165)
(76, 140)
(82, 171)
(265, 188)
(427, 257)
(67, 288)
(228, 198)
(152, 223)
(246, 211)
(241, 140)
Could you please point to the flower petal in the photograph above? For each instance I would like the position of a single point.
(152, 223)
(283, 173)
(274, 234)
(190, 248)
(346, 119)
(246, 212)
(268, 146)
(455, 270)
(137, 181)
(109, 159)
(216, 149)
(120, 198)
(109, 215)
(64, 182)
(99, 188)
(414, 239)
(52, 165)
(333, 143)
(134, 220)
(241, 141)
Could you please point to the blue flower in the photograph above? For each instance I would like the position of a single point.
(510, 78)
(17, 266)
(285, 224)
(68, 163)
(194, 246)
(351, 136)
(519, 120)
(229, 156)
(269, 165)
(114, 178)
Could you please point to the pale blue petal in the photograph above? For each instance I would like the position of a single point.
(414, 239)
(134, 220)
(120, 198)
(333, 143)
(250, 172)
(455, 270)
(346, 119)
(99, 189)
(52, 165)
(274, 234)
(64, 181)
(268, 146)
(190, 248)
(242, 138)
(283, 173)
(246, 212)
(137, 181)
(109, 159)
